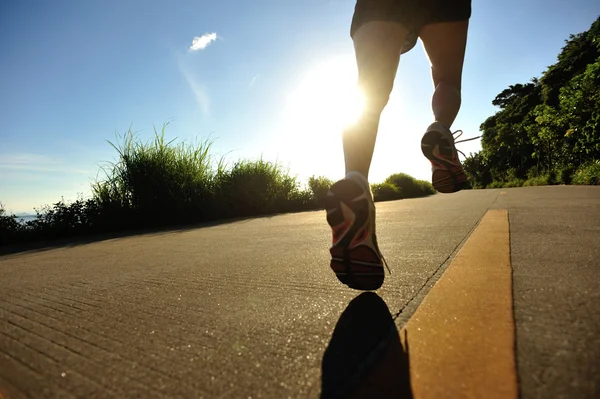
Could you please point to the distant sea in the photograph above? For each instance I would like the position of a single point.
(25, 218)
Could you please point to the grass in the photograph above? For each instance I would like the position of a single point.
(158, 183)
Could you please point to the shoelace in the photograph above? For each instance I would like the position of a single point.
(460, 133)
(385, 263)
(382, 257)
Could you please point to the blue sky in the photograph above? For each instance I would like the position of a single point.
(74, 73)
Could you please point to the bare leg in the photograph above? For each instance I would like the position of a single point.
(377, 46)
(445, 44)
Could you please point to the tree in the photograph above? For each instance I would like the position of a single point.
(549, 124)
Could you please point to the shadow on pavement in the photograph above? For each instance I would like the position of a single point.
(365, 358)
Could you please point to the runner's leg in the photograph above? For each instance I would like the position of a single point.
(377, 46)
(445, 45)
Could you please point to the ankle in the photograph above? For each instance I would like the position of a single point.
(356, 175)
(360, 178)
(439, 126)
(442, 124)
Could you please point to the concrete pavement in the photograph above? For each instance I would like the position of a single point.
(251, 309)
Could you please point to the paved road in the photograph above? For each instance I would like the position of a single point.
(251, 309)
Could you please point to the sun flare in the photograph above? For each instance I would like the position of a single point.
(327, 100)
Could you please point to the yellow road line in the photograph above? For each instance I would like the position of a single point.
(461, 338)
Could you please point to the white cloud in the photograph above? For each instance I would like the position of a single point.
(200, 42)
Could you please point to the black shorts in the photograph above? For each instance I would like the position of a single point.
(412, 14)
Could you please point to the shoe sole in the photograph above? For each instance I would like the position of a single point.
(444, 180)
(360, 267)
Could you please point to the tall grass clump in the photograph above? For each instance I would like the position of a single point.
(158, 182)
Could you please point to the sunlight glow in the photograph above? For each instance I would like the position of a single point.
(327, 99)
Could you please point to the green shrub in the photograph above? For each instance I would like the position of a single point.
(10, 228)
(319, 187)
(386, 192)
(409, 186)
(537, 181)
(533, 172)
(426, 187)
(59, 220)
(588, 174)
(496, 184)
(7, 222)
(565, 174)
(255, 187)
(514, 183)
(300, 200)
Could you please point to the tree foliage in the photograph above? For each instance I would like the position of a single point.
(548, 127)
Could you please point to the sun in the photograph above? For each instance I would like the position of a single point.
(324, 102)
(327, 100)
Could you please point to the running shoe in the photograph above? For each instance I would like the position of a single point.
(355, 255)
(438, 145)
